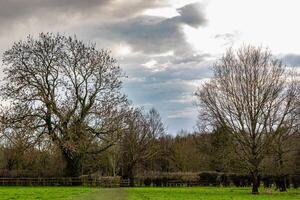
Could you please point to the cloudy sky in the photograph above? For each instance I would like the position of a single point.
(166, 47)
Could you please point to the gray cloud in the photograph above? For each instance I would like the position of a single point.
(154, 34)
(15, 12)
(292, 60)
(148, 34)
(192, 15)
(168, 86)
(189, 59)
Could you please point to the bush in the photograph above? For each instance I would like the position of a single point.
(158, 182)
(267, 181)
(240, 180)
(295, 181)
(209, 178)
(165, 181)
(168, 179)
(224, 179)
(235, 180)
(282, 182)
(147, 182)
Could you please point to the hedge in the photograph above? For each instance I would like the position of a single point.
(212, 179)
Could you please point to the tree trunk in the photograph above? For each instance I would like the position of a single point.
(255, 182)
(131, 177)
(73, 164)
(128, 174)
(282, 182)
(284, 188)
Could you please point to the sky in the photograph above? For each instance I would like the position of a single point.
(165, 47)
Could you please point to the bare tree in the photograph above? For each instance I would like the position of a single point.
(139, 142)
(70, 89)
(156, 126)
(252, 98)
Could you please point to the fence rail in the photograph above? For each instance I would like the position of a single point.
(124, 183)
(70, 181)
(203, 179)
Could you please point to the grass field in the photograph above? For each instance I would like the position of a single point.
(195, 193)
(210, 193)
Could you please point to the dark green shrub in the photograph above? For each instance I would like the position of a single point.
(267, 181)
(208, 178)
(158, 182)
(240, 180)
(281, 182)
(225, 181)
(295, 181)
(147, 182)
(165, 181)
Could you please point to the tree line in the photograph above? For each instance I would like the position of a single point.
(63, 114)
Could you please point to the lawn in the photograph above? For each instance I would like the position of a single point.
(207, 193)
(194, 193)
(44, 193)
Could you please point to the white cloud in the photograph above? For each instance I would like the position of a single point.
(121, 50)
(150, 64)
(184, 113)
(271, 23)
(166, 12)
(168, 53)
(185, 98)
(164, 48)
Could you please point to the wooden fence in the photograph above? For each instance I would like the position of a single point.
(85, 181)
(159, 181)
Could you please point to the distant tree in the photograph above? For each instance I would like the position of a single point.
(297, 160)
(139, 140)
(163, 162)
(18, 140)
(221, 152)
(182, 154)
(252, 98)
(156, 126)
(297, 138)
(69, 89)
(186, 156)
(283, 150)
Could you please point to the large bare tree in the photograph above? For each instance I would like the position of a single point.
(252, 97)
(69, 89)
(139, 141)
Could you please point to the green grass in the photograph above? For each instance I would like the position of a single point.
(193, 193)
(43, 193)
(208, 193)
(104, 194)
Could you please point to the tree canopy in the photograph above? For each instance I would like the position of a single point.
(68, 88)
